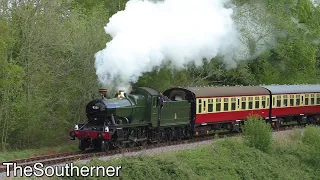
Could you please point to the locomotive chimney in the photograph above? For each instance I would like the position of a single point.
(103, 92)
(121, 94)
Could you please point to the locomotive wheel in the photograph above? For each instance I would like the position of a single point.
(132, 144)
(163, 136)
(82, 145)
(171, 134)
(96, 144)
(144, 143)
(179, 134)
(121, 145)
(105, 146)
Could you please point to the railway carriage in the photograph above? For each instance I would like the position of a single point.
(225, 107)
(295, 103)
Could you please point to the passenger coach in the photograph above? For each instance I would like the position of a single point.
(226, 107)
(295, 103)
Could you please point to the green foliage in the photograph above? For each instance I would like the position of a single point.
(228, 158)
(20, 154)
(257, 133)
(311, 137)
(47, 71)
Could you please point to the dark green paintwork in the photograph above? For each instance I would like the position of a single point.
(172, 113)
(144, 109)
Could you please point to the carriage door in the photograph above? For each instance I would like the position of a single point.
(238, 103)
(204, 107)
(302, 99)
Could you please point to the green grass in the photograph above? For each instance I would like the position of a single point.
(292, 156)
(18, 154)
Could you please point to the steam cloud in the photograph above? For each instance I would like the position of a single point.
(147, 34)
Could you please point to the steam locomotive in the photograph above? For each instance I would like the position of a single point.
(143, 117)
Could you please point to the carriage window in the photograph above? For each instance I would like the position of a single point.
(225, 104)
(318, 98)
(218, 104)
(291, 100)
(298, 100)
(306, 101)
(210, 105)
(257, 102)
(233, 104)
(243, 103)
(250, 103)
(285, 100)
(263, 102)
(312, 99)
(268, 102)
(278, 101)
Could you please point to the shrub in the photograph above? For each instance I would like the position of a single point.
(257, 133)
(311, 138)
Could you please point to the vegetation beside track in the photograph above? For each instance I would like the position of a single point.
(20, 154)
(292, 155)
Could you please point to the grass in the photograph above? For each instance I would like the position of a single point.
(19, 154)
(293, 155)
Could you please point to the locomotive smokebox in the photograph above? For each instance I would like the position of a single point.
(103, 92)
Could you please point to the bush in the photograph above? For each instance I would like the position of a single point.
(311, 138)
(257, 133)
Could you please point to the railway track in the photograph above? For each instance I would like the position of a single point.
(74, 156)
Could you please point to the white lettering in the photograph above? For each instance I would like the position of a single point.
(72, 168)
(102, 169)
(68, 170)
(38, 169)
(47, 172)
(60, 172)
(7, 164)
(84, 171)
(110, 169)
(27, 171)
(118, 171)
(91, 170)
(15, 169)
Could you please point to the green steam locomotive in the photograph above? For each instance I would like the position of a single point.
(127, 120)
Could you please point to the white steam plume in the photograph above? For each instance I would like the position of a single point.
(146, 34)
